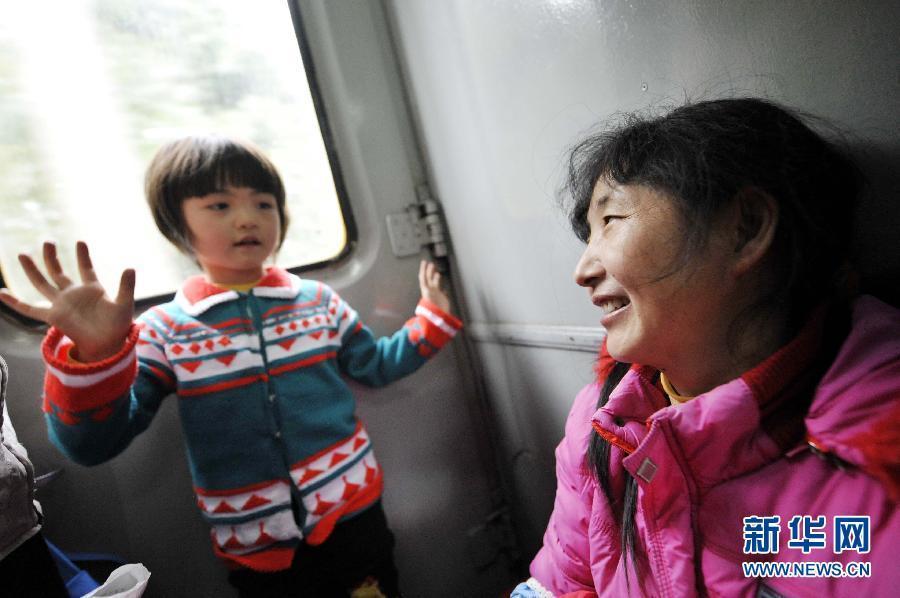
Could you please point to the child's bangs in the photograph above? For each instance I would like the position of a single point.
(224, 166)
(243, 169)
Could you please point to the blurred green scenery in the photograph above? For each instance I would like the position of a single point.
(90, 88)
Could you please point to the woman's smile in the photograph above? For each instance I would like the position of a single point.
(611, 308)
(656, 305)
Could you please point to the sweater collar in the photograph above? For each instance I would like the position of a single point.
(198, 294)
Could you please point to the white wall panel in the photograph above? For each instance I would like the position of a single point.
(501, 88)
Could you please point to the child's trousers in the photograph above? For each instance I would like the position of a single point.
(357, 559)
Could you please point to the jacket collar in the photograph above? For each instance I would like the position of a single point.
(755, 411)
(855, 415)
(197, 294)
(744, 424)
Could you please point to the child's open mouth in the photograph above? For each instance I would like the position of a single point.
(247, 242)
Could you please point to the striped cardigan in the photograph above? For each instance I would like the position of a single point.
(265, 411)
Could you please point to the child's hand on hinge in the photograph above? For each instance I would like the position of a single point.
(430, 285)
(96, 324)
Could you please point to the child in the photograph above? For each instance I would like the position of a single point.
(761, 426)
(282, 468)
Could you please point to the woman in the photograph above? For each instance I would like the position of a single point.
(762, 423)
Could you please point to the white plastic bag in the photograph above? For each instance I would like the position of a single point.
(128, 581)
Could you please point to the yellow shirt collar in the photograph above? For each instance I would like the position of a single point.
(241, 288)
(674, 397)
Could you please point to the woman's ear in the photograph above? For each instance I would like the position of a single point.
(755, 219)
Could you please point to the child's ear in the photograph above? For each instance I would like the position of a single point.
(754, 222)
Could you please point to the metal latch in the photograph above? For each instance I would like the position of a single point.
(420, 225)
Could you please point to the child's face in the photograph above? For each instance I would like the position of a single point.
(232, 232)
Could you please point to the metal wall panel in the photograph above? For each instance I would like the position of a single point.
(502, 87)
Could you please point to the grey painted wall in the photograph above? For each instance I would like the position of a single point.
(502, 87)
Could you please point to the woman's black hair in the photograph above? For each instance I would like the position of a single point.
(703, 156)
(598, 459)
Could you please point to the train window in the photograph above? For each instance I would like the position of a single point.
(90, 88)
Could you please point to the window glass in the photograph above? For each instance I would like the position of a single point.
(89, 89)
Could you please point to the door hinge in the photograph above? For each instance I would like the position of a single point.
(420, 225)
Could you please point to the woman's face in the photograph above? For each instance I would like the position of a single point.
(657, 309)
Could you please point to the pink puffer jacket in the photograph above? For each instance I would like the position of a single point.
(704, 466)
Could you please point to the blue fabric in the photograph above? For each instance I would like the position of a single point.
(523, 590)
(78, 581)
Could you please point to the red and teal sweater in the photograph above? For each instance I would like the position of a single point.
(264, 407)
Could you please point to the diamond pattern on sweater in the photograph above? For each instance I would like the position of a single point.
(337, 458)
(242, 502)
(224, 507)
(226, 359)
(233, 543)
(322, 506)
(255, 501)
(309, 474)
(338, 491)
(349, 489)
(251, 536)
(370, 473)
(324, 464)
(190, 366)
(264, 539)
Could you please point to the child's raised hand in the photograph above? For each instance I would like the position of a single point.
(96, 324)
(430, 285)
